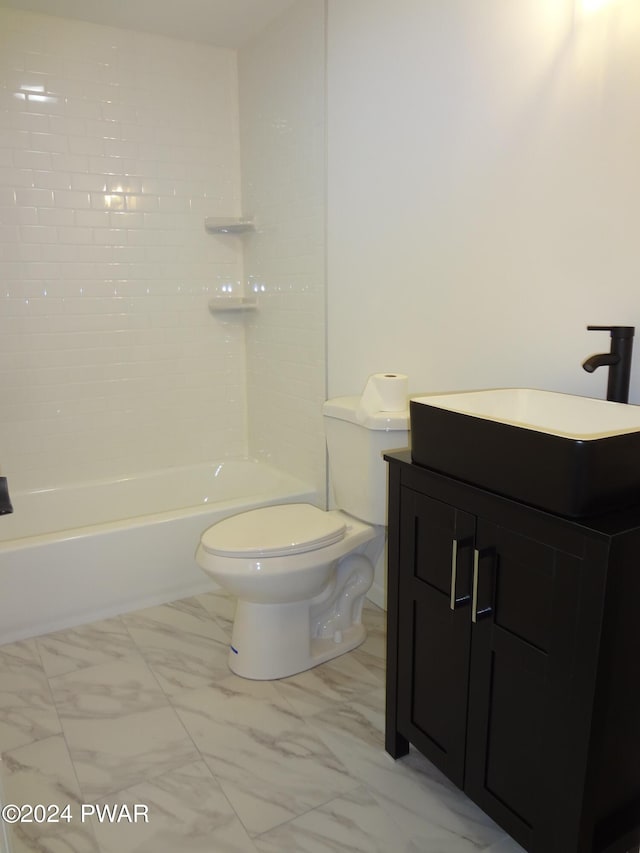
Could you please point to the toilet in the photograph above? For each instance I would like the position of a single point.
(300, 574)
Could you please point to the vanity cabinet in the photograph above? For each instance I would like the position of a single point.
(514, 658)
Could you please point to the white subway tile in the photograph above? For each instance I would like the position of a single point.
(130, 254)
(10, 138)
(126, 183)
(79, 253)
(9, 234)
(28, 216)
(38, 234)
(91, 218)
(20, 252)
(88, 182)
(58, 254)
(64, 125)
(65, 87)
(120, 148)
(150, 237)
(27, 121)
(9, 216)
(13, 177)
(126, 219)
(51, 180)
(41, 271)
(106, 201)
(100, 129)
(41, 104)
(32, 160)
(86, 145)
(119, 112)
(153, 186)
(70, 162)
(79, 107)
(54, 142)
(42, 63)
(71, 198)
(110, 236)
(143, 203)
(75, 236)
(174, 204)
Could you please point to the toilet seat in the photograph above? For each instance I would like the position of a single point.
(274, 531)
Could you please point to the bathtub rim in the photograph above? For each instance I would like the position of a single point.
(282, 483)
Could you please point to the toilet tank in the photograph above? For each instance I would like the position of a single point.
(355, 445)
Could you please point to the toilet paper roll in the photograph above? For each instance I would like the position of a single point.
(384, 392)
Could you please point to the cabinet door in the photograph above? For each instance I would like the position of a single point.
(436, 551)
(522, 651)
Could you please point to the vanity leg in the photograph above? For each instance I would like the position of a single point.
(396, 744)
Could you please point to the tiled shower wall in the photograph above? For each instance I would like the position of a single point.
(114, 146)
(282, 134)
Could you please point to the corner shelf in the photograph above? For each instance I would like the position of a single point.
(228, 225)
(219, 304)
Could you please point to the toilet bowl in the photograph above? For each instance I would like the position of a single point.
(299, 581)
(300, 574)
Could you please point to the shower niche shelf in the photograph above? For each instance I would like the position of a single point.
(228, 225)
(220, 304)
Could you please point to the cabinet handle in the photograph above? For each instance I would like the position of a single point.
(474, 594)
(456, 600)
(475, 610)
(454, 573)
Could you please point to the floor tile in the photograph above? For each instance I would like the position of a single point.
(119, 726)
(182, 644)
(220, 605)
(186, 811)
(372, 653)
(27, 710)
(42, 773)
(507, 845)
(107, 689)
(353, 822)
(270, 765)
(325, 686)
(87, 645)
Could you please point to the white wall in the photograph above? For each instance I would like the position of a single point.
(483, 188)
(282, 129)
(114, 145)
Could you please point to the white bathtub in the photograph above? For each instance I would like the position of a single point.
(88, 551)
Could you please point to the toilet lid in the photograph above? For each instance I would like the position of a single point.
(274, 531)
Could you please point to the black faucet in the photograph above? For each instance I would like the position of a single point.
(618, 360)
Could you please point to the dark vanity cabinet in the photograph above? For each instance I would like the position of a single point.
(514, 658)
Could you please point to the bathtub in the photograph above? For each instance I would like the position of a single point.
(83, 552)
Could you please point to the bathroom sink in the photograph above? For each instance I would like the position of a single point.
(572, 455)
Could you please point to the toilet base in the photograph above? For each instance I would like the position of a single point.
(272, 641)
(324, 650)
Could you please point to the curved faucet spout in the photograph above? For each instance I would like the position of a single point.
(618, 359)
(600, 360)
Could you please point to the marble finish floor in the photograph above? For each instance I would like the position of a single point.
(141, 710)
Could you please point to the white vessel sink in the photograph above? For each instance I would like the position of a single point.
(572, 455)
(580, 418)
